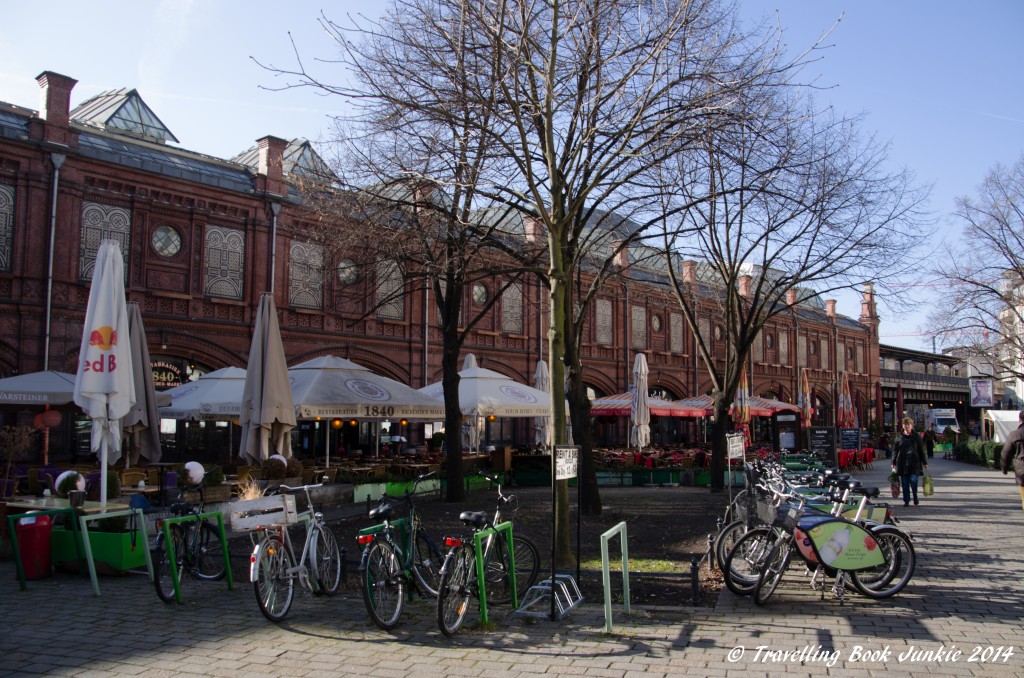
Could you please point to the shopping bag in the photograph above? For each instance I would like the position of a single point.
(929, 486)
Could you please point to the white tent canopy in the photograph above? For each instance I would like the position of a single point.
(1004, 422)
(38, 388)
(484, 392)
(329, 386)
(215, 395)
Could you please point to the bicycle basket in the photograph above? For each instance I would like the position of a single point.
(788, 517)
(765, 510)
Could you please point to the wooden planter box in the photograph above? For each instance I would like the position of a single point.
(214, 494)
(112, 548)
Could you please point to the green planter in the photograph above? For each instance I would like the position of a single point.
(654, 476)
(112, 548)
(614, 478)
(399, 488)
(528, 478)
(702, 478)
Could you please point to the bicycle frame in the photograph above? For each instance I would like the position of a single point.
(198, 519)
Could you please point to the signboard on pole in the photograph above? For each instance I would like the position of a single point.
(737, 449)
(566, 461)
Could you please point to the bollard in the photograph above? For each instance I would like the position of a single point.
(711, 552)
(695, 581)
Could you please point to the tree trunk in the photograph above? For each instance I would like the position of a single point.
(456, 491)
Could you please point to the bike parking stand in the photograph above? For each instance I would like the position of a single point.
(537, 602)
(169, 542)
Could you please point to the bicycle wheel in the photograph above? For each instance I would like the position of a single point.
(498, 564)
(383, 585)
(209, 558)
(163, 568)
(726, 539)
(426, 563)
(775, 566)
(889, 578)
(457, 584)
(326, 565)
(274, 587)
(742, 566)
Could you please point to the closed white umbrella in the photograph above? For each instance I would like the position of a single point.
(541, 427)
(268, 413)
(105, 383)
(142, 423)
(640, 434)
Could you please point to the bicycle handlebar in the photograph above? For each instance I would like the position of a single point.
(288, 488)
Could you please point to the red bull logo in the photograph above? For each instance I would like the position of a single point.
(105, 338)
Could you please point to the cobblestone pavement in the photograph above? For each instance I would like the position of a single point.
(961, 615)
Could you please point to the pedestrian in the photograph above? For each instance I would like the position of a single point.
(883, 443)
(909, 460)
(929, 441)
(1013, 451)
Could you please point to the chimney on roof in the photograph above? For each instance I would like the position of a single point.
(744, 286)
(55, 106)
(622, 256)
(830, 308)
(534, 229)
(689, 272)
(791, 297)
(271, 164)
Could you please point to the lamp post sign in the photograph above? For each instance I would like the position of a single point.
(566, 461)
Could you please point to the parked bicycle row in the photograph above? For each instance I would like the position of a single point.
(825, 520)
(399, 556)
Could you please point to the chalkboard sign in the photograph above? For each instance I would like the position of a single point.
(849, 438)
(821, 440)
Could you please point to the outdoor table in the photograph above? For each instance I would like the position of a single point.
(135, 489)
(90, 510)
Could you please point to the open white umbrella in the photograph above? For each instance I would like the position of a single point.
(214, 395)
(640, 434)
(484, 392)
(38, 388)
(105, 384)
(541, 427)
(142, 423)
(328, 387)
(268, 413)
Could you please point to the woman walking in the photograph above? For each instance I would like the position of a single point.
(909, 460)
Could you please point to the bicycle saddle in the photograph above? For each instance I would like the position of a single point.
(849, 484)
(477, 519)
(383, 511)
(869, 492)
(181, 508)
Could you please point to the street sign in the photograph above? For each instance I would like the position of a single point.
(566, 461)
(737, 449)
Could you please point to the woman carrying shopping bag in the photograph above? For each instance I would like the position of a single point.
(909, 460)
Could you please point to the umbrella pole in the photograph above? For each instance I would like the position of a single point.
(327, 446)
(103, 471)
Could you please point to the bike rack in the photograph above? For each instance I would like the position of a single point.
(481, 579)
(566, 594)
(170, 547)
(405, 541)
(606, 580)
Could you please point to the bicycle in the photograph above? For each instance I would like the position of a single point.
(273, 567)
(388, 560)
(870, 557)
(460, 576)
(196, 547)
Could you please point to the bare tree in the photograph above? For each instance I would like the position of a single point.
(413, 163)
(780, 199)
(982, 309)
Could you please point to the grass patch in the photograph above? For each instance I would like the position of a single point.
(635, 565)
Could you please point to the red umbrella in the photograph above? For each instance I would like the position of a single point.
(805, 400)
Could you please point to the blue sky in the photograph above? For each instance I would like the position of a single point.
(939, 81)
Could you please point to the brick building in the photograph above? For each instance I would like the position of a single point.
(197, 235)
